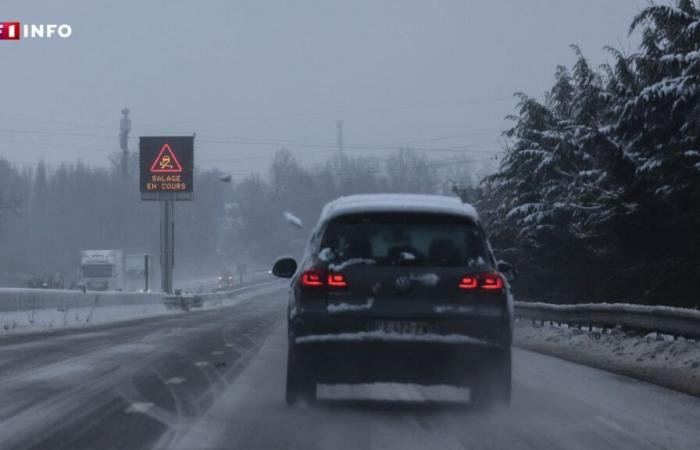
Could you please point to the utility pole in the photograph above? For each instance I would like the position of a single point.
(339, 123)
(124, 129)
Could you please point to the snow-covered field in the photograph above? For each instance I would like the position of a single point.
(653, 357)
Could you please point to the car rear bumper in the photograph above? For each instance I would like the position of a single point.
(458, 329)
(454, 351)
(398, 361)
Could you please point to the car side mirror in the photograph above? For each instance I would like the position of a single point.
(284, 267)
(507, 270)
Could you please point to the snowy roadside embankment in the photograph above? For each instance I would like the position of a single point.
(654, 357)
(46, 319)
(23, 299)
(33, 310)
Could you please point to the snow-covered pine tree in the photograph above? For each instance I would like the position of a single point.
(605, 172)
(657, 121)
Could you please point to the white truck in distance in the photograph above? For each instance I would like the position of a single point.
(102, 270)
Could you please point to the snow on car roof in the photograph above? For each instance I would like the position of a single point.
(438, 204)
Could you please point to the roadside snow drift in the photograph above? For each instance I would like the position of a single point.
(653, 357)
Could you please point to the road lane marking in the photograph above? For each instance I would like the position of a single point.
(217, 352)
(175, 380)
(139, 407)
(614, 425)
(201, 363)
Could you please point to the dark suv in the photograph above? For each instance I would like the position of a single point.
(399, 288)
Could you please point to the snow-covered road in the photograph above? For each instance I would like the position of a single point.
(215, 379)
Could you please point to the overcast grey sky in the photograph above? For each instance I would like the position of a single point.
(252, 76)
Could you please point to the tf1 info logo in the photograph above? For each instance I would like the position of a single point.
(12, 31)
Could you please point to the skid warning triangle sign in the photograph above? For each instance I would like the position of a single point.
(166, 161)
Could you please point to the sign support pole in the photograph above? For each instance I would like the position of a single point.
(145, 270)
(166, 166)
(167, 245)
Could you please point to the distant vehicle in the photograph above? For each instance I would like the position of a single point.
(225, 280)
(135, 272)
(46, 282)
(399, 288)
(102, 270)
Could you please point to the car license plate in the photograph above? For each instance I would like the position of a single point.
(401, 327)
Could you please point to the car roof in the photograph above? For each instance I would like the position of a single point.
(413, 203)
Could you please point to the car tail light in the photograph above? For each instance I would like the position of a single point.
(484, 281)
(337, 280)
(312, 278)
(491, 282)
(468, 283)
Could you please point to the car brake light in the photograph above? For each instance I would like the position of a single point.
(486, 281)
(337, 280)
(468, 283)
(312, 278)
(491, 282)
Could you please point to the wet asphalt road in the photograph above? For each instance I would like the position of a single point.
(215, 379)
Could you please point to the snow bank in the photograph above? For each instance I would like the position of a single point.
(18, 299)
(653, 357)
(57, 318)
(625, 307)
(132, 306)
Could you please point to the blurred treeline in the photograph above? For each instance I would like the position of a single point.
(261, 229)
(51, 213)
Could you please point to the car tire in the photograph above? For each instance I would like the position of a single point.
(301, 385)
(493, 385)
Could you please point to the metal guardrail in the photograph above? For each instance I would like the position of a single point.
(187, 301)
(207, 285)
(26, 299)
(662, 319)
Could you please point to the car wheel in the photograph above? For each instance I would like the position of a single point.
(301, 385)
(493, 385)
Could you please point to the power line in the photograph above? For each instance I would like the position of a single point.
(325, 152)
(58, 165)
(53, 133)
(54, 122)
(454, 161)
(463, 149)
(346, 111)
(446, 138)
(53, 144)
(244, 141)
(345, 146)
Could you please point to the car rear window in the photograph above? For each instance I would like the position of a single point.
(411, 239)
